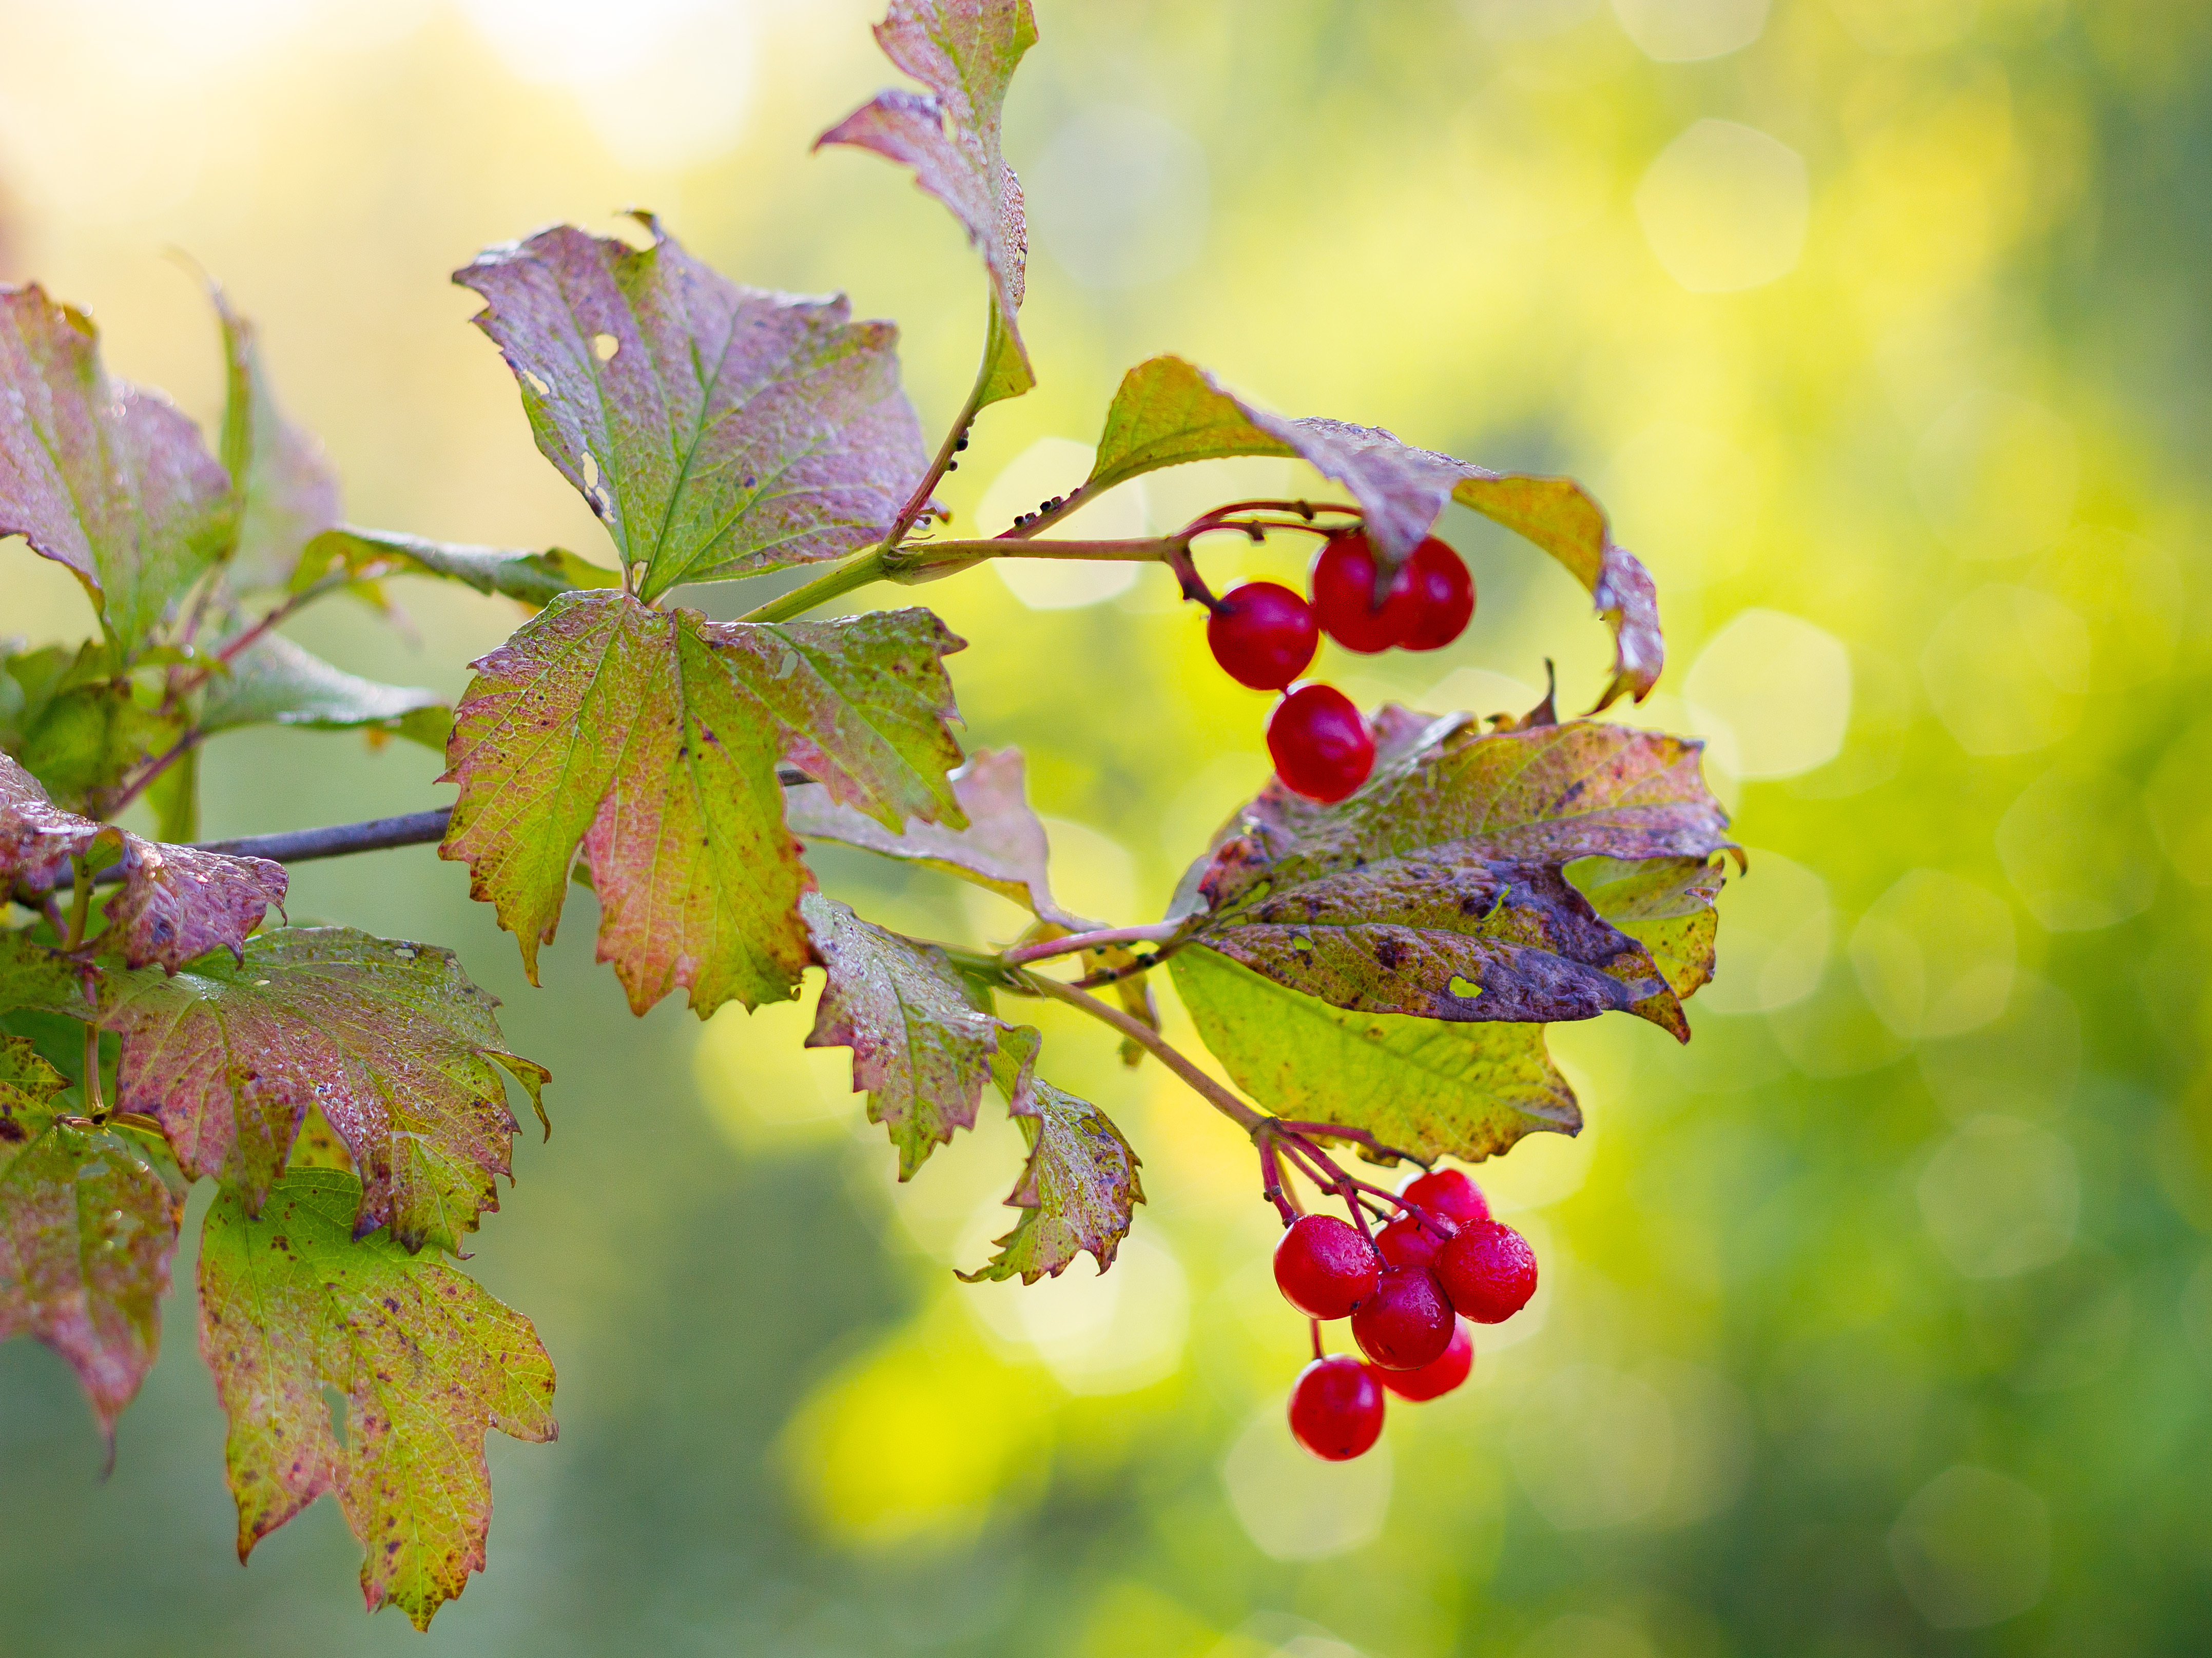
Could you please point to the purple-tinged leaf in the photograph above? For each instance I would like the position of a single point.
(650, 740)
(177, 902)
(295, 1310)
(88, 1226)
(965, 53)
(1436, 890)
(286, 489)
(1078, 1191)
(1430, 1087)
(372, 555)
(1168, 412)
(1003, 849)
(923, 1036)
(104, 478)
(716, 430)
(390, 1040)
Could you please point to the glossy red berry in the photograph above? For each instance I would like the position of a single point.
(1406, 1322)
(1321, 747)
(1263, 635)
(1489, 1272)
(1447, 1193)
(1336, 1408)
(1444, 596)
(1343, 578)
(1440, 1375)
(1323, 1268)
(1406, 1242)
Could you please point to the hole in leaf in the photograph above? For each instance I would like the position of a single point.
(537, 384)
(335, 1403)
(603, 347)
(1465, 989)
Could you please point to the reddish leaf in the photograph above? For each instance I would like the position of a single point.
(293, 1309)
(101, 476)
(965, 53)
(1078, 1191)
(87, 1227)
(390, 1040)
(716, 430)
(177, 902)
(649, 741)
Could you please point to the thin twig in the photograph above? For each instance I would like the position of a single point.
(114, 804)
(1153, 933)
(1250, 1121)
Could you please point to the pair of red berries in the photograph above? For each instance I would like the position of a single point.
(1264, 635)
(1409, 1294)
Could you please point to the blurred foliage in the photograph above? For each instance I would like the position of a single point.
(1878, 1319)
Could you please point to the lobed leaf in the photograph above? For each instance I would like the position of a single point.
(1436, 890)
(87, 1228)
(1168, 412)
(1078, 1191)
(284, 488)
(534, 578)
(1003, 847)
(390, 1041)
(1430, 1087)
(295, 1310)
(650, 742)
(105, 478)
(922, 1034)
(716, 430)
(274, 682)
(177, 902)
(965, 51)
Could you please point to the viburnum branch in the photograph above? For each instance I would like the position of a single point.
(94, 1106)
(111, 805)
(1251, 1122)
(1154, 932)
(1114, 976)
(1357, 1136)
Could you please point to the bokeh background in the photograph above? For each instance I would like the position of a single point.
(1878, 1319)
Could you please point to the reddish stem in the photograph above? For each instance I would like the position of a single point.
(1318, 1352)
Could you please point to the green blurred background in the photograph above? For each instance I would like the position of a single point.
(1879, 1320)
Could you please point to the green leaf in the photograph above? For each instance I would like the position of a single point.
(649, 740)
(286, 490)
(372, 555)
(177, 902)
(74, 724)
(1436, 890)
(1003, 849)
(36, 977)
(274, 682)
(922, 1034)
(1665, 904)
(1078, 1191)
(965, 53)
(716, 430)
(422, 1362)
(390, 1040)
(101, 476)
(1168, 412)
(87, 1227)
(1426, 1086)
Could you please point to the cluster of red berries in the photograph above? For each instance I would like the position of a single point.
(1264, 635)
(1409, 1292)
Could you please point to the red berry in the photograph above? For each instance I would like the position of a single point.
(1406, 1322)
(1489, 1272)
(1336, 1408)
(1263, 635)
(1444, 596)
(1344, 597)
(1439, 1375)
(1447, 1193)
(1323, 1268)
(1321, 747)
(1406, 1242)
